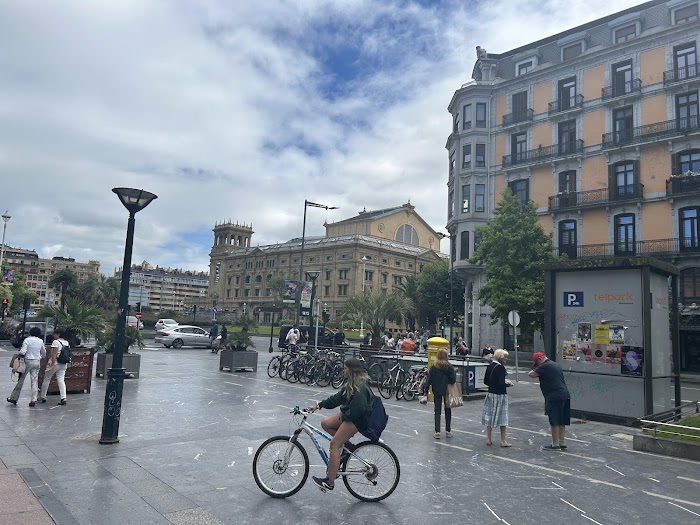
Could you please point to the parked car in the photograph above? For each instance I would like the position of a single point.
(162, 323)
(133, 321)
(46, 330)
(183, 335)
(326, 337)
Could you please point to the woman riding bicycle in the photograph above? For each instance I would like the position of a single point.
(355, 402)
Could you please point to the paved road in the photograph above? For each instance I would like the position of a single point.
(189, 432)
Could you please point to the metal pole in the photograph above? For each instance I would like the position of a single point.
(316, 308)
(362, 319)
(115, 375)
(301, 268)
(515, 337)
(272, 328)
(5, 217)
(451, 270)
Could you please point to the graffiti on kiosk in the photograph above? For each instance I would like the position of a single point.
(605, 313)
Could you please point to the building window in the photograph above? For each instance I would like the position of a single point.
(329, 258)
(407, 234)
(342, 289)
(690, 285)
(228, 280)
(521, 190)
(238, 279)
(623, 123)
(518, 147)
(687, 110)
(566, 90)
(397, 264)
(259, 264)
(397, 280)
(525, 67)
(257, 292)
(572, 51)
(688, 161)
(450, 203)
(369, 276)
(567, 239)
(328, 275)
(688, 228)
(246, 292)
(467, 117)
(519, 106)
(624, 182)
(567, 137)
(453, 249)
(249, 265)
(480, 156)
(455, 123)
(258, 278)
(624, 234)
(452, 162)
(343, 274)
(385, 278)
(625, 33)
(465, 198)
(685, 61)
(268, 292)
(235, 292)
(567, 181)
(269, 277)
(481, 115)
(686, 14)
(247, 279)
(480, 197)
(467, 156)
(327, 290)
(622, 78)
(464, 246)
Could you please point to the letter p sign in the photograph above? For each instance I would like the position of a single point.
(573, 298)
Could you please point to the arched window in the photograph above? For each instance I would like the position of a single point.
(688, 227)
(269, 277)
(408, 234)
(258, 278)
(690, 285)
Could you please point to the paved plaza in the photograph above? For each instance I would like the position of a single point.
(189, 431)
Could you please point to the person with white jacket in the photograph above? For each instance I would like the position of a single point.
(32, 351)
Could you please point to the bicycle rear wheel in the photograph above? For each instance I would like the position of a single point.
(376, 481)
(374, 372)
(385, 385)
(270, 472)
(322, 374)
(408, 390)
(337, 376)
(273, 367)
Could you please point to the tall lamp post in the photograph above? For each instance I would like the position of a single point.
(134, 201)
(364, 273)
(301, 265)
(314, 275)
(5, 217)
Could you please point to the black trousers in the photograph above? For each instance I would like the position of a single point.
(439, 401)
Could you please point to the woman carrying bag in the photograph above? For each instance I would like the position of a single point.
(440, 375)
(495, 412)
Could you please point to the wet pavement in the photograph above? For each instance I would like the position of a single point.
(189, 431)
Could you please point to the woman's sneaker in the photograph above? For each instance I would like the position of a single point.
(323, 483)
(436, 435)
(448, 434)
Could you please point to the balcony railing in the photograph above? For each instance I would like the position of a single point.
(518, 116)
(680, 74)
(651, 132)
(590, 198)
(566, 104)
(543, 154)
(653, 248)
(683, 184)
(621, 89)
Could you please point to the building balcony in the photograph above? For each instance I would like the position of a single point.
(566, 105)
(595, 198)
(651, 132)
(688, 183)
(660, 248)
(518, 117)
(621, 89)
(681, 74)
(543, 154)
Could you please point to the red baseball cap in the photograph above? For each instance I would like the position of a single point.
(536, 357)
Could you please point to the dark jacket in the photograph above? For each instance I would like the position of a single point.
(439, 378)
(356, 409)
(223, 333)
(495, 378)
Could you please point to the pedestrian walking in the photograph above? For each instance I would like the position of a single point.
(213, 334)
(557, 401)
(487, 351)
(495, 411)
(461, 347)
(440, 375)
(56, 367)
(223, 334)
(32, 351)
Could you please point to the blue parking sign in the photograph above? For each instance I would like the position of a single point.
(573, 298)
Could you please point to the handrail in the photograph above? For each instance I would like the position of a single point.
(680, 74)
(518, 116)
(565, 104)
(544, 153)
(621, 89)
(656, 130)
(682, 184)
(657, 247)
(575, 199)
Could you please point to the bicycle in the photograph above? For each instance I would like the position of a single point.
(370, 472)
(391, 381)
(414, 384)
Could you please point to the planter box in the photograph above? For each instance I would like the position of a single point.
(78, 373)
(132, 363)
(238, 360)
(666, 447)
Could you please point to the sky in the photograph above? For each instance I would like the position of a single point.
(235, 110)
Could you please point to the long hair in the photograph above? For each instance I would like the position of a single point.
(441, 360)
(356, 378)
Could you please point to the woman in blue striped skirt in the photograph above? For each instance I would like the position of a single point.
(495, 412)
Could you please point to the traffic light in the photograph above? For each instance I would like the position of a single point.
(138, 307)
(442, 324)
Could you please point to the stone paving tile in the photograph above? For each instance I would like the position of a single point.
(18, 455)
(168, 502)
(13, 440)
(117, 463)
(129, 475)
(196, 516)
(148, 487)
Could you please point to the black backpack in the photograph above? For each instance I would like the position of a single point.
(376, 423)
(64, 355)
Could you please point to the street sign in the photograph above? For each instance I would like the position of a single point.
(214, 310)
(138, 315)
(513, 318)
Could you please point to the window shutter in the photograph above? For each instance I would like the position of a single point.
(637, 177)
(611, 176)
(675, 164)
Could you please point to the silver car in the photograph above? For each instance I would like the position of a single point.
(183, 335)
(165, 323)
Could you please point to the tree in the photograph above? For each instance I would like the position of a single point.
(375, 307)
(409, 289)
(100, 290)
(513, 250)
(20, 291)
(66, 280)
(278, 288)
(434, 291)
(77, 318)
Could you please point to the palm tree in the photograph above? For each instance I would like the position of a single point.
(65, 279)
(77, 318)
(375, 307)
(100, 290)
(409, 289)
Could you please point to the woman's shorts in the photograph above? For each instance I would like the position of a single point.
(558, 411)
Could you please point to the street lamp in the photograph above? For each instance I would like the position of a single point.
(301, 266)
(364, 272)
(134, 201)
(5, 217)
(314, 275)
(452, 258)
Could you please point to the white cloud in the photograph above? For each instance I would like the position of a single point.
(231, 110)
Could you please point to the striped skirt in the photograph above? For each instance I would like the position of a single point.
(495, 412)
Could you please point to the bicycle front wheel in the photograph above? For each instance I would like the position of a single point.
(375, 480)
(408, 390)
(275, 476)
(322, 374)
(273, 367)
(375, 372)
(337, 377)
(385, 386)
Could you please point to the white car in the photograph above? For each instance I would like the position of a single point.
(162, 323)
(184, 335)
(132, 320)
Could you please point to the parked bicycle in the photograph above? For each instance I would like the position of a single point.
(389, 381)
(413, 386)
(281, 465)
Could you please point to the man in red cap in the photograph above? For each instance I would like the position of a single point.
(556, 398)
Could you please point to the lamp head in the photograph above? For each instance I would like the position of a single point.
(6, 216)
(134, 200)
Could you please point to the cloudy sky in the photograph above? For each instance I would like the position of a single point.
(235, 109)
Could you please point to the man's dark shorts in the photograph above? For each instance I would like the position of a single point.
(558, 411)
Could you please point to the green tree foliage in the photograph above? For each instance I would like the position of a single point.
(277, 286)
(239, 338)
(19, 292)
(409, 289)
(77, 318)
(6, 292)
(99, 290)
(434, 292)
(376, 307)
(107, 338)
(66, 280)
(513, 250)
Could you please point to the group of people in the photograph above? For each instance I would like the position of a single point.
(218, 337)
(32, 352)
(409, 343)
